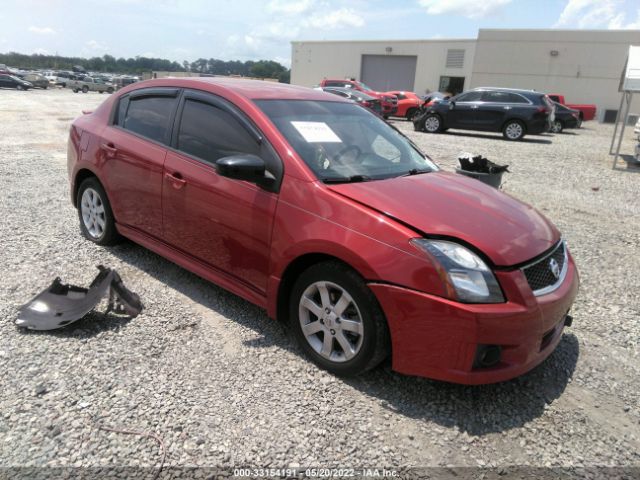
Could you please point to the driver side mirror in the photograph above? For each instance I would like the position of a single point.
(250, 168)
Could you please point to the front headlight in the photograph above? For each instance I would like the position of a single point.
(468, 278)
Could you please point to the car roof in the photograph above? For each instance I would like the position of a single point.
(249, 89)
(514, 90)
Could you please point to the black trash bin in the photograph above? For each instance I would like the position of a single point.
(478, 167)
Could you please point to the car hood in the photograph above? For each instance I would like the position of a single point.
(506, 230)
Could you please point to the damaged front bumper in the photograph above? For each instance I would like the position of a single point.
(61, 304)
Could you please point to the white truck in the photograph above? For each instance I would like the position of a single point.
(90, 84)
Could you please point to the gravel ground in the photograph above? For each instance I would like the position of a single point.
(222, 385)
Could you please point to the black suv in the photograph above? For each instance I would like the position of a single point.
(513, 112)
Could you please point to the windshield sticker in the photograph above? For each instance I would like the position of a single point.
(316, 132)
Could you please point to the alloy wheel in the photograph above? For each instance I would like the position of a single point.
(93, 213)
(432, 124)
(331, 321)
(514, 131)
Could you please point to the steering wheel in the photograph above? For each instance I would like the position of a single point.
(338, 156)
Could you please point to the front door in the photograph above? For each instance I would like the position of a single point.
(462, 110)
(222, 222)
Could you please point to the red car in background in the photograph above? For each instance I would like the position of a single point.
(587, 111)
(388, 102)
(318, 211)
(408, 103)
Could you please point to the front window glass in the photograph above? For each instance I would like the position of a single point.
(210, 133)
(469, 97)
(343, 141)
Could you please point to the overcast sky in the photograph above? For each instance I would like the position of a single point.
(263, 29)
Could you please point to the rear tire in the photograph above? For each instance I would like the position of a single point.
(85, 89)
(410, 113)
(337, 320)
(19, 87)
(513, 130)
(110, 90)
(97, 223)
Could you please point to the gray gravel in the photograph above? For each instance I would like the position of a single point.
(222, 385)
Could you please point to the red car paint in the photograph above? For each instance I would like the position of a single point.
(245, 238)
(388, 101)
(587, 111)
(408, 103)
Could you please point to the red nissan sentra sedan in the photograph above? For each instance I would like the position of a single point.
(318, 211)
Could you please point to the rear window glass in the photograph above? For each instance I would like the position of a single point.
(149, 116)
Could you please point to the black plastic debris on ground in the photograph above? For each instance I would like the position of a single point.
(480, 164)
(480, 168)
(61, 304)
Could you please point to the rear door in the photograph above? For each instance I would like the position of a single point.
(497, 107)
(223, 222)
(133, 149)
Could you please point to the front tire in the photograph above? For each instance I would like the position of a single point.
(410, 113)
(85, 89)
(94, 211)
(433, 123)
(19, 87)
(110, 90)
(513, 130)
(337, 320)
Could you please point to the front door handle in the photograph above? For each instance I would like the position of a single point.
(176, 180)
(109, 149)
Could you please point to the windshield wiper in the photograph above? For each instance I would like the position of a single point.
(416, 171)
(351, 179)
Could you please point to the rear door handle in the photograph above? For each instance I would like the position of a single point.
(110, 149)
(507, 108)
(176, 180)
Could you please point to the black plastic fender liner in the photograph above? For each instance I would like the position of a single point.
(60, 304)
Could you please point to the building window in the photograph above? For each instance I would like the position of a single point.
(455, 58)
(451, 85)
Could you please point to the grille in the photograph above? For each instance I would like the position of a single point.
(540, 276)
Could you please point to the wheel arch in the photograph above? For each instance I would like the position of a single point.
(81, 176)
(293, 270)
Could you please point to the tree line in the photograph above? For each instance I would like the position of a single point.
(138, 65)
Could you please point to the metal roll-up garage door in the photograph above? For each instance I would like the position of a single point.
(389, 72)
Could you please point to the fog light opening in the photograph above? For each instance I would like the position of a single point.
(487, 356)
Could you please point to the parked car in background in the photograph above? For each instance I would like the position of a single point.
(408, 103)
(37, 80)
(636, 129)
(587, 111)
(11, 81)
(361, 98)
(565, 117)
(388, 102)
(89, 84)
(63, 78)
(513, 112)
(320, 212)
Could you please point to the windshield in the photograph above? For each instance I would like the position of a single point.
(344, 141)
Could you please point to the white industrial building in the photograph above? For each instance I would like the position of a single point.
(583, 65)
